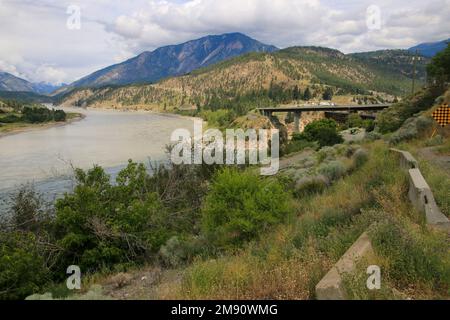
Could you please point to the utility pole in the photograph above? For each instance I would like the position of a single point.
(414, 72)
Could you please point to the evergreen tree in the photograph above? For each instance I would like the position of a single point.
(328, 94)
(307, 94)
(296, 93)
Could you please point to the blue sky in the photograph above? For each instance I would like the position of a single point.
(36, 44)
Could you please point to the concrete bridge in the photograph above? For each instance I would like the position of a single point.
(297, 110)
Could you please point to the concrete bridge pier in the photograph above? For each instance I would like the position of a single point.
(297, 115)
(267, 113)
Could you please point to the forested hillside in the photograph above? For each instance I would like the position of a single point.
(292, 74)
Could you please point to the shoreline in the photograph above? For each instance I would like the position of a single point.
(42, 126)
(132, 110)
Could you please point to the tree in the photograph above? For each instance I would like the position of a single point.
(324, 131)
(296, 93)
(307, 94)
(328, 94)
(101, 224)
(59, 115)
(439, 67)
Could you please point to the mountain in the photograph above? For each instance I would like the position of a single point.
(174, 60)
(8, 82)
(46, 88)
(429, 49)
(257, 79)
(400, 61)
(11, 83)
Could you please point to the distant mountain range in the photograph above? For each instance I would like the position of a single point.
(9, 82)
(174, 60)
(429, 49)
(183, 59)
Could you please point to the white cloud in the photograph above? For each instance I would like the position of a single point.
(35, 43)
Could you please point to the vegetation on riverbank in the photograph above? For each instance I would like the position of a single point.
(16, 116)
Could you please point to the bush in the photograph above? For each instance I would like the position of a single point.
(219, 118)
(333, 170)
(369, 125)
(324, 131)
(360, 157)
(310, 186)
(373, 135)
(435, 141)
(100, 224)
(326, 153)
(36, 114)
(10, 118)
(392, 118)
(354, 121)
(411, 129)
(240, 206)
(180, 250)
(22, 266)
(59, 115)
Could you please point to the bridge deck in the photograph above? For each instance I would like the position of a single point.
(326, 108)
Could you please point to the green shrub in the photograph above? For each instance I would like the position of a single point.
(10, 118)
(333, 170)
(179, 250)
(434, 141)
(240, 206)
(354, 121)
(310, 185)
(360, 157)
(59, 115)
(392, 118)
(411, 129)
(373, 135)
(369, 125)
(324, 131)
(326, 153)
(100, 224)
(219, 118)
(23, 269)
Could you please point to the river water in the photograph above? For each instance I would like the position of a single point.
(45, 157)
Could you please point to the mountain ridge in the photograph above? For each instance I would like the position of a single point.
(430, 49)
(12, 83)
(255, 76)
(172, 60)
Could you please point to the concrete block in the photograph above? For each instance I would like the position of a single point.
(423, 200)
(331, 286)
(407, 161)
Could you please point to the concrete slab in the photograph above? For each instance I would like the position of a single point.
(331, 286)
(407, 161)
(423, 200)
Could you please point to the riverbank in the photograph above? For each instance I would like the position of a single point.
(8, 129)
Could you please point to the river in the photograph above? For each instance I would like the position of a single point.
(45, 157)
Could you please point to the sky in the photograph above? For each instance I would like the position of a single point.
(58, 41)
